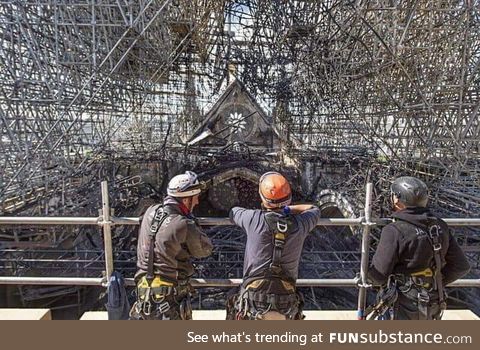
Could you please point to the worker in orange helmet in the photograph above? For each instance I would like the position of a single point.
(275, 236)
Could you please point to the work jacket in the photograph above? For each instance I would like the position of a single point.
(405, 248)
(178, 240)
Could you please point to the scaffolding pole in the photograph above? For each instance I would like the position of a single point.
(202, 282)
(107, 231)
(362, 293)
(204, 221)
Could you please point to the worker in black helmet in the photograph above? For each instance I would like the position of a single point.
(417, 256)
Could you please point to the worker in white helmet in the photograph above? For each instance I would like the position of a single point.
(168, 238)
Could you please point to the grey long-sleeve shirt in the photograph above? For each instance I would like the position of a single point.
(259, 247)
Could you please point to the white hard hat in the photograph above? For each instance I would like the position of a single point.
(184, 185)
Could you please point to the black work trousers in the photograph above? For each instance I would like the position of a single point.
(407, 308)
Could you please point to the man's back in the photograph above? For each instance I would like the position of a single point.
(405, 247)
(259, 247)
(177, 240)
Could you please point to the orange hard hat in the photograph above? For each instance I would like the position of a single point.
(274, 190)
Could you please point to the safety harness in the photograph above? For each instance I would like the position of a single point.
(417, 286)
(386, 298)
(420, 285)
(155, 294)
(279, 237)
(160, 216)
(271, 289)
(434, 235)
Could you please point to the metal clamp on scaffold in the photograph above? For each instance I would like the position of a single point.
(359, 283)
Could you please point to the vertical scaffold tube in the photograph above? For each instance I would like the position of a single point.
(362, 294)
(107, 231)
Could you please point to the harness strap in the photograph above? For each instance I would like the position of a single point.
(279, 238)
(433, 233)
(160, 215)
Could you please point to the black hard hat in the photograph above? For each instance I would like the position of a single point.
(412, 192)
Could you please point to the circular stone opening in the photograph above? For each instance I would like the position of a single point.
(333, 205)
(329, 211)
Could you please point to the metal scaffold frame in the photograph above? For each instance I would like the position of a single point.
(81, 79)
(106, 222)
(365, 90)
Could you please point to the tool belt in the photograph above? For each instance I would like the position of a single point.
(263, 295)
(423, 280)
(420, 287)
(163, 297)
(158, 289)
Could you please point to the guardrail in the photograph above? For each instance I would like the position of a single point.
(106, 221)
(199, 282)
